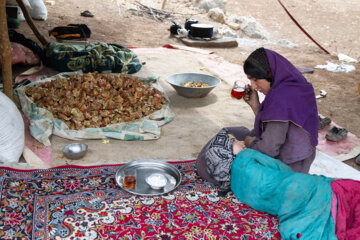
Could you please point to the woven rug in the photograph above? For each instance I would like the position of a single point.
(72, 202)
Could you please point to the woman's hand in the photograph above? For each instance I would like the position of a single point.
(251, 97)
(248, 140)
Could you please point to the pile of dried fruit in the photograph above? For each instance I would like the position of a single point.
(96, 100)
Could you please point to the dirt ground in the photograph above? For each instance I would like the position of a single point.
(333, 24)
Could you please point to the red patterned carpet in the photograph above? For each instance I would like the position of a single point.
(85, 203)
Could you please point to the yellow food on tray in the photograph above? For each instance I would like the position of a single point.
(193, 84)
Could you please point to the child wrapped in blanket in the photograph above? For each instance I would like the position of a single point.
(308, 206)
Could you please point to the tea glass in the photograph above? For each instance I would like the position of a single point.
(238, 89)
(129, 178)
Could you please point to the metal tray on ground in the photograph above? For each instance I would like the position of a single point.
(144, 168)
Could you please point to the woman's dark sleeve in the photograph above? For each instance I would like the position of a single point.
(272, 138)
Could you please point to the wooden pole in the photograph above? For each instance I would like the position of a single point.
(301, 28)
(163, 4)
(31, 23)
(6, 52)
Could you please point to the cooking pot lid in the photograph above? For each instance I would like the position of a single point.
(201, 25)
(191, 20)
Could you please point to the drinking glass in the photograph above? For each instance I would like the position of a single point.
(238, 90)
(129, 178)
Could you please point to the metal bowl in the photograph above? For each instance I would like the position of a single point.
(192, 92)
(75, 150)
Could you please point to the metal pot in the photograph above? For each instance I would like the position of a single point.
(190, 21)
(201, 30)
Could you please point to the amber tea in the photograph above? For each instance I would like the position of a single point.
(129, 182)
(130, 178)
(238, 90)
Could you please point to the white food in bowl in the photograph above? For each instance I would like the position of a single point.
(156, 180)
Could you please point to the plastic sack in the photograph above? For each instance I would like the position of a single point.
(38, 10)
(12, 135)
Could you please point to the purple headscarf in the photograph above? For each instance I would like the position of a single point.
(290, 98)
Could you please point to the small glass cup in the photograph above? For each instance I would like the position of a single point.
(129, 178)
(238, 90)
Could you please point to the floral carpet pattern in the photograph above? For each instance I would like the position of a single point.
(72, 202)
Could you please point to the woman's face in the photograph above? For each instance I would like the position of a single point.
(237, 145)
(262, 85)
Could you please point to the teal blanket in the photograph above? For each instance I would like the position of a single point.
(301, 201)
(95, 57)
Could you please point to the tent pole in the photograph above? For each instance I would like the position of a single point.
(31, 23)
(301, 28)
(6, 51)
(163, 4)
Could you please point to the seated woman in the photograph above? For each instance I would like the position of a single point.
(286, 122)
(308, 206)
